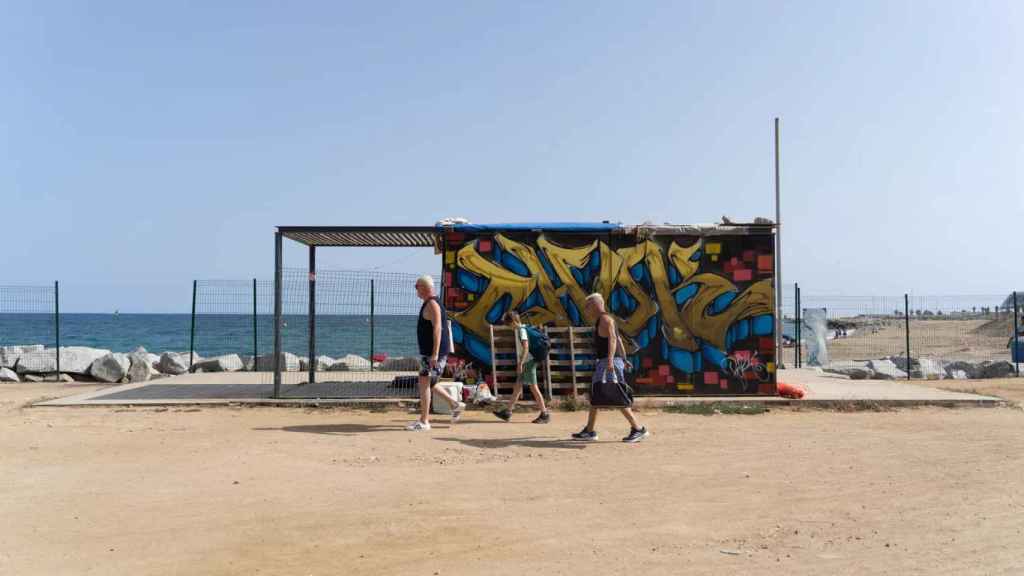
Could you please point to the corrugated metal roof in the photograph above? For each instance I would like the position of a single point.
(362, 236)
(426, 236)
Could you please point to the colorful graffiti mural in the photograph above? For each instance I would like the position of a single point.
(697, 310)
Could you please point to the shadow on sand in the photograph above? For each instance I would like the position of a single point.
(526, 442)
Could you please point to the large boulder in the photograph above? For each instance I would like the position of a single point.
(248, 362)
(8, 375)
(79, 359)
(350, 362)
(110, 368)
(37, 363)
(173, 363)
(931, 369)
(854, 369)
(997, 369)
(322, 363)
(958, 368)
(141, 369)
(401, 364)
(289, 362)
(886, 369)
(225, 363)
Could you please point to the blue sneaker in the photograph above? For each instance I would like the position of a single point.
(585, 436)
(636, 435)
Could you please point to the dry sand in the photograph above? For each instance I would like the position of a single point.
(293, 491)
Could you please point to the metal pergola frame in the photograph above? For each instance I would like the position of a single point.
(334, 236)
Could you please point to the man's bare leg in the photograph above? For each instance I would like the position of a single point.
(517, 392)
(538, 397)
(628, 413)
(424, 384)
(444, 394)
(591, 420)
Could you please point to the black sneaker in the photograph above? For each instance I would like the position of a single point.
(585, 436)
(544, 418)
(504, 414)
(636, 435)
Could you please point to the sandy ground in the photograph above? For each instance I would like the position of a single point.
(941, 339)
(293, 491)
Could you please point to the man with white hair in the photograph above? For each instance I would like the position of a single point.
(608, 365)
(435, 343)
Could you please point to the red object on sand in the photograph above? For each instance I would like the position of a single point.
(789, 391)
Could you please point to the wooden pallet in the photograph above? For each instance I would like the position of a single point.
(567, 368)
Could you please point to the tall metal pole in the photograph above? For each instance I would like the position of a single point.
(372, 291)
(278, 279)
(192, 337)
(906, 312)
(312, 314)
(56, 322)
(255, 328)
(778, 254)
(1016, 336)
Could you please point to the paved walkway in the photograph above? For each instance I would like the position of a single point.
(347, 388)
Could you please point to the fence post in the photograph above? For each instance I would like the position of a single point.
(371, 323)
(312, 314)
(1016, 335)
(906, 313)
(56, 322)
(192, 337)
(797, 329)
(255, 328)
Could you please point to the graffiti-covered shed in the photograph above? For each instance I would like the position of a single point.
(694, 302)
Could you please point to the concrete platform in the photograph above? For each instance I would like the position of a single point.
(354, 389)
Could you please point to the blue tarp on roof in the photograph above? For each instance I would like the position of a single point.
(579, 227)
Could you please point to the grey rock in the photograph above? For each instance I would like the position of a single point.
(35, 378)
(248, 363)
(173, 363)
(931, 369)
(323, 363)
(48, 378)
(350, 362)
(289, 362)
(956, 374)
(8, 375)
(970, 369)
(997, 369)
(854, 369)
(886, 370)
(401, 364)
(110, 368)
(79, 359)
(226, 363)
(141, 369)
(37, 363)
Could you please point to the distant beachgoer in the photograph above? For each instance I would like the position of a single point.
(526, 372)
(607, 349)
(435, 344)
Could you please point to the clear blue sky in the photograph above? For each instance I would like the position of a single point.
(144, 144)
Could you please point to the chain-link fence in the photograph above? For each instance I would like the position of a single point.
(30, 334)
(960, 337)
(363, 345)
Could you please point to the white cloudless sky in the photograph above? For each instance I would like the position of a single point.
(143, 144)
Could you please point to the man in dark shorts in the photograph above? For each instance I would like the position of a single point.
(607, 347)
(435, 343)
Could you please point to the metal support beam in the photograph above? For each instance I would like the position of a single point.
(778, 255)
(278, 279)
(312, 314)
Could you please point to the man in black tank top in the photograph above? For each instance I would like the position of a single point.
(609, 365)
(434, 338)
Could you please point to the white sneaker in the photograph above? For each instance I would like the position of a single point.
(457, 411)
(417, 426)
